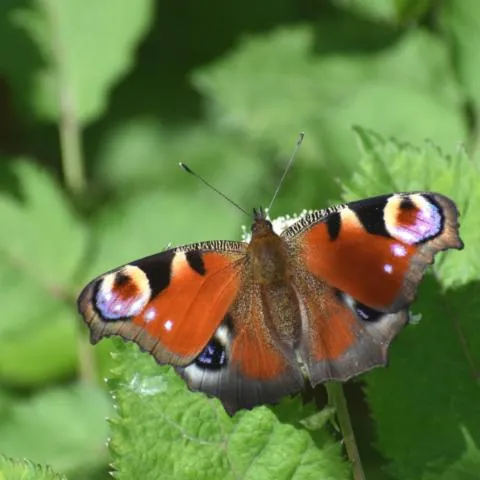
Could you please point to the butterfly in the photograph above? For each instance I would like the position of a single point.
(251, 322)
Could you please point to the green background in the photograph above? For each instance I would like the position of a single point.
(99, 101)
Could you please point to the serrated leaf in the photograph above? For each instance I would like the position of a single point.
(64, 428)
(41, 246)
(163, 431)
(85, 47)
(465, 468)
(274, 85)
(25, 470)
(390, 166)
(461, 22)
(430, 392)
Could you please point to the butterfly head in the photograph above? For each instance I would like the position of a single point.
(261, 226)
(259, 214)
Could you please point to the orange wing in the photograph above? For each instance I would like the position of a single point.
(171, 303)
(357, 269)
(376, 250)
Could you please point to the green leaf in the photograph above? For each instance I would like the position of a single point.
(40, 234)
(41, 246)
(390, 166)
(379, 11)
(274, 85)
(163, 429)
(412, 10)
(55, 343)
(25, 470)
(429, 393)
(143, 153)
(64, 428)
(461, 22)
(85, 47)
(465, 468)
(393, 11)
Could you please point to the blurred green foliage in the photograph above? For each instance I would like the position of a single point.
(99, 103)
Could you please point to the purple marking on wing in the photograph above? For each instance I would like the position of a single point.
(427, 224)
(113, 306)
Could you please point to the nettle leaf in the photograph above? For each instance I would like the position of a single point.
(466, 468)
(41, 246)
(429, 394)
(25, 470)
(461, 22)
(275, 84)
(390, 166)
(64, 428)
(164, 430)
(85, 47)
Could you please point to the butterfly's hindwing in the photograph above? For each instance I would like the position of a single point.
(246, 363)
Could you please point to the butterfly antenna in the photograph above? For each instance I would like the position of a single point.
(229, 200)
(287, 168)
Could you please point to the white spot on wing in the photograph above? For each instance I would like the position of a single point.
(388, 268)
(150, 314)
(168, 325)
(398, 250)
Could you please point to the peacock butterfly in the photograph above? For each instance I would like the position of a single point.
(251, 322)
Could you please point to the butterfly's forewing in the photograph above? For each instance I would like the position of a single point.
(357, 270)
(171, 303)
(376, 250)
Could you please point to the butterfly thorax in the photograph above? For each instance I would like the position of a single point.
(268, 254)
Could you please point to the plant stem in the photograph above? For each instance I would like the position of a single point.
(71, 157)
(336, 398)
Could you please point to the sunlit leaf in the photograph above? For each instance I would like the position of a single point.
(164, 429)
